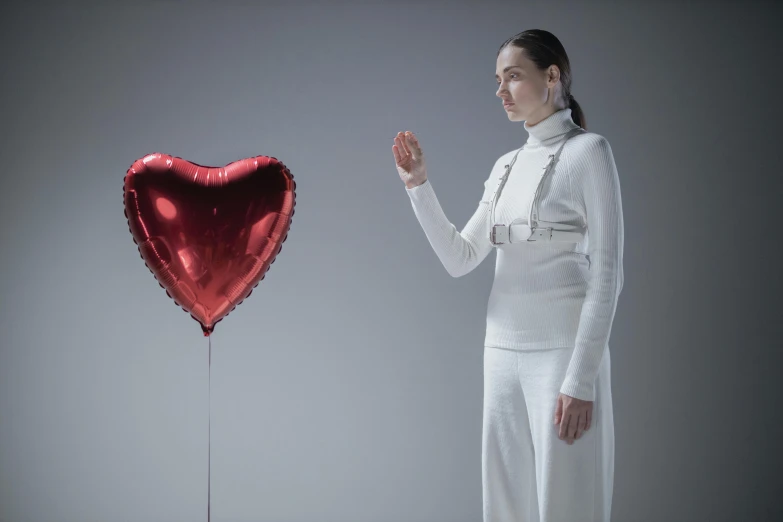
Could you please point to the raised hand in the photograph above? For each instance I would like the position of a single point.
(410, 159)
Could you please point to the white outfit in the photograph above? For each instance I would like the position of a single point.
(528, 473)
(549, 314)
(545, 295)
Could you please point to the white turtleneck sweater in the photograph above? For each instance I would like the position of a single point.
(545, 294)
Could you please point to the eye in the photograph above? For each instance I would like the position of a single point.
(512, 75)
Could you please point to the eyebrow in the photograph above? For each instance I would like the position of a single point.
(510, 67)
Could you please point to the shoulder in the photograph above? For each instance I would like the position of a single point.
(587, 152)
(587, 143)
(588, 147)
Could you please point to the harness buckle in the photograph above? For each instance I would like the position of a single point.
(541, 233)
(499, 234)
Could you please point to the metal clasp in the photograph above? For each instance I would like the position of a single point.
(541, 233)
(499, 234)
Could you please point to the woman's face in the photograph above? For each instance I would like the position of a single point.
(531, 92)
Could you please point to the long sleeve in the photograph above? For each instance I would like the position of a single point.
(596, 187)
(460, 252)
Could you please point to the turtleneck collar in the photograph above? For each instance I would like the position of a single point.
(554, 125)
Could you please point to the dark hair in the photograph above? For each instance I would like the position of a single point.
(544, 49)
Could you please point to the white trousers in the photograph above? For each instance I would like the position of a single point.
(528, 473)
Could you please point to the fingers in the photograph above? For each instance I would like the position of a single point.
(402, 142)
(564, 420)
(404, 159)
(568, 429)
(405, 147)
(401, 155)
(406, 150)
(397, 155)
(559, 410)
(571, 433)
(573, 425)
(413, 141)
(414, 145)
(408, 144)
(580, 425)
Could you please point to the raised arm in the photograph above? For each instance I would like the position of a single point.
(460, 252)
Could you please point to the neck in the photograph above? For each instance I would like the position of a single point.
(552, 126)
(545, 112)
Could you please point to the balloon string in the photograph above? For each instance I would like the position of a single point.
(209, 436)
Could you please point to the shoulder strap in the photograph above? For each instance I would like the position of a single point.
(552, 162)
(504, 178)
(500, 188)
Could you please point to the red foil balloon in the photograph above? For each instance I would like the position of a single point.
(209, 234)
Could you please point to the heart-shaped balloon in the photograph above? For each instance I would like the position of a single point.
(209, 234)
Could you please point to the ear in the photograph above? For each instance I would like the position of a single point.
(553, 74)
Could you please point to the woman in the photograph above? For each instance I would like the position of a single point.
(548, 429)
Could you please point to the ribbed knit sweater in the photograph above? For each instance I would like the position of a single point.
(544, 294)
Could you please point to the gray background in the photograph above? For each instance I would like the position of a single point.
(348, 387)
